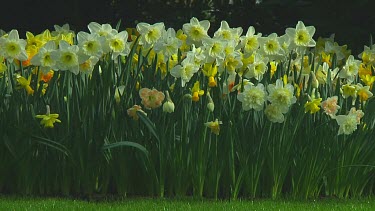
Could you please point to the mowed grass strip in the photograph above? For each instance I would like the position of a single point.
(12, 203)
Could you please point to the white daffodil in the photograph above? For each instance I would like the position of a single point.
(257, 68)
(214, 50)
(281, 96)
(228, 34)
(197, 55)
(118, 44)
(12, 47)
(150, 34)
(250, 42)
(90, 44)
(86, 66)
(196, 31)
(43, 58)
(185, 71)
(168, 44)
(270, 46)
(274, 114)
(253, 97)
(301, 36)
(231, 62)
(66, 57)
(103, 30)
(348, 123)
(350, 69)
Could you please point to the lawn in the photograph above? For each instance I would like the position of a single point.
(19, 203)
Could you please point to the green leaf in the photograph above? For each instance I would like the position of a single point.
(125, 143)
(150, 125)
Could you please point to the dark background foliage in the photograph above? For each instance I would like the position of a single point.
(351, 23)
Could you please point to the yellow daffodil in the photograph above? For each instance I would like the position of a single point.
(25, 83)
(313, 105)
(214, 126)
(363, 92)
(196, 92)
(368, 80)
(210, 70)
(48, 119)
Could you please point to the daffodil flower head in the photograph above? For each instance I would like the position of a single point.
(274, 114)
(363, 92)
(66, 57)
(214, 126)
(350, 69)
(91, 44)
(368, 80)
(118, 44)
(196, 92)
(253, 97)
(150, 34)
(48, 120)
(348, 90)
(185, 71)
(168, 44)
(12, 47)
(25, 83)
(302, 35)
(357, 113)
(250, 42)
(348, 124)
(43, 58)
(330, 106)
(270, 46)
(312, 106)
(227, 33)
(151, 99)
(132, 112)
(281, 96)
(196, 31)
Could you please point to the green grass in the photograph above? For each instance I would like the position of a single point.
(16, 203)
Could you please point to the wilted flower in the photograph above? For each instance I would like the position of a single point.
(132, 112)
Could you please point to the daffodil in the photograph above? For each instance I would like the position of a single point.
(350, 69)
(210, 70)
(151, 99)
(185, 71)
(368, 80)
(363, 92)
(281, 96)
(232, 62)
(91, 44)
(43, 58)
(168, 44)
(313, 105)
(118, 44)
(196, 92)
(132, 112)
(274, 114)
(250, 42)
(25, 83)
(103, 30)
(214, 50)
(196, 31)
(214, 126)
(270, 46)
(66, 57)
(12, 47)
(227, 33)
(348, 124)
(150, 34)
(48, 119)
(302, 35)
(257, 68)
(253, 97)
(330, 106)
(349, 90)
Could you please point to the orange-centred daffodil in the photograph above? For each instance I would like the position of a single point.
(196, 92)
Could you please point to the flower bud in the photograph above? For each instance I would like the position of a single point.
(168, 106)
